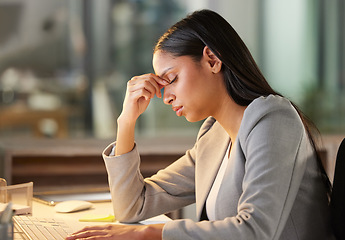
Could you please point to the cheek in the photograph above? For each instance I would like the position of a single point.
(186, 92)
(191, 85)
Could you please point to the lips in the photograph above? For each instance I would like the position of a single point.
(178, 110)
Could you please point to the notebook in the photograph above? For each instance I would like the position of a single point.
(52, 199)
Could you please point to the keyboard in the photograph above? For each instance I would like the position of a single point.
(31, 228)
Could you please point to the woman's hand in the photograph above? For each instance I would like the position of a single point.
(140, 90)
(118, 231)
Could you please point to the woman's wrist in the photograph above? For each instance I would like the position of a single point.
(123, 120)
(125, 136)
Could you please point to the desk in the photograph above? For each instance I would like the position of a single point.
(41, 210)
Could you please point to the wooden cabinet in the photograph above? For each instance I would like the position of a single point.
(77, 163)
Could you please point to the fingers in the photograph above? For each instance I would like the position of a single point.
(97, 227)
(140, 90)
(89, 231)
(147, 85)
(91, 234)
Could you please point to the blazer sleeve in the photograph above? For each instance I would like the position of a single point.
(135, 198)
(270, 139)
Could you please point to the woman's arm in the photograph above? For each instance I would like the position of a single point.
(139, 92)
(125, 136)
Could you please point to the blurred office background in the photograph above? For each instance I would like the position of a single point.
(64, 64)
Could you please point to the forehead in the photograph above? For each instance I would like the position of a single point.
(162, 61)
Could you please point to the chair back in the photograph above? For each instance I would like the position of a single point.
(337, 204)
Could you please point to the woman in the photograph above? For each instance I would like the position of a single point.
(253, 172)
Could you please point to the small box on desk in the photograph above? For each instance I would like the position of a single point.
(20, 195)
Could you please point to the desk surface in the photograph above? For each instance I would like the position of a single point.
(41, 210)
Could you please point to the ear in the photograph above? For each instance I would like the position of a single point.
(213, 61)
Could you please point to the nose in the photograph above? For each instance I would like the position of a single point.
(168, 96)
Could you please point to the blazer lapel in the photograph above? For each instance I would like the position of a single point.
(209, 158)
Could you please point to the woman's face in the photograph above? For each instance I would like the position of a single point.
(193, 91)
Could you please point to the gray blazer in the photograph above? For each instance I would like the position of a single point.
(272, 188)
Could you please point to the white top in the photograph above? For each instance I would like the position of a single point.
(212, 196)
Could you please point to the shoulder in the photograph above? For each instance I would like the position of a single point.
(275, 111)
(270, 105)
(270, 101)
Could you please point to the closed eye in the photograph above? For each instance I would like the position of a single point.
(173, 80)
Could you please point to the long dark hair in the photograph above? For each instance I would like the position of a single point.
(242, 77)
